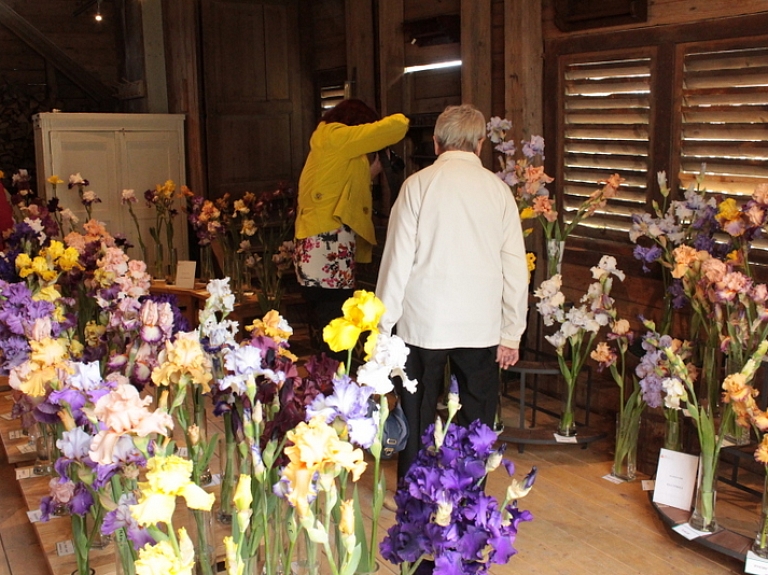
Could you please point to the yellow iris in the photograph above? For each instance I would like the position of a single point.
(728, 210)
(341, 334)
(185, 363)
(364, 310)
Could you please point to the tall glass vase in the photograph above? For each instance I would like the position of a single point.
(703, 516)
(555, 252)
(625, 454)
(229, 462)
(760, 544)
(158, 272)
(566, 427)
(45, 437)
(206, 263)
(201, 533)
(125, 556)
(233, 270)
(173, 264)
(673, 436)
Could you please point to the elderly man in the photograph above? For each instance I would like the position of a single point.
(454, 278)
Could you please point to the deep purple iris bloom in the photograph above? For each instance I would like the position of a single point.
(452, 475)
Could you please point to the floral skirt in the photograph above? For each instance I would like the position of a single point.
(327, 260)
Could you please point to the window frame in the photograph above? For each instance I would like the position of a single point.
(668, 43)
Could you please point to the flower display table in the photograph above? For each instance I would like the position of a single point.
(723, 541)
(53, 535)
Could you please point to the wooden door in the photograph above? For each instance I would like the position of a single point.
(251, 61)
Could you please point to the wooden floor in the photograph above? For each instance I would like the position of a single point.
(583, 524)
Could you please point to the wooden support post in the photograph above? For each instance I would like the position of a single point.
(184, 83)
(476, 60)
(360, 53)
(391, 55)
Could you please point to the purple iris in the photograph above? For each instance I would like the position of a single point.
(121, 518)
(647, 255)
(450, 479)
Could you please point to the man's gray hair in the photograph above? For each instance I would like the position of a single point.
(460, 128)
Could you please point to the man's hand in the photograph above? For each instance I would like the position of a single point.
(506, 356)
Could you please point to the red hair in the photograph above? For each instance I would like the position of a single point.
(352, 112)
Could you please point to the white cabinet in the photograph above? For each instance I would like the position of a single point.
(114, 152)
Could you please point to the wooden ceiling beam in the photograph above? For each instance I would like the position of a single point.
(36, 40)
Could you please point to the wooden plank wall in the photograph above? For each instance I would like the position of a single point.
(665, 12)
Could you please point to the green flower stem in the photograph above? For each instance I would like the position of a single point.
(627, 431)
(228, 475)
(672, 434)
(761, 541)
(138, 232)
(125, 550)
(80, 540)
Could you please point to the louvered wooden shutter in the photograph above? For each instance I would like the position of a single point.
(724, 114)
(606, 117)
(606, 127)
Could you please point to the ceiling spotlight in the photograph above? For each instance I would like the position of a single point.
(98, 16)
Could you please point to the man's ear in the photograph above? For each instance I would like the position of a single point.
(479, 146)
(438, 149)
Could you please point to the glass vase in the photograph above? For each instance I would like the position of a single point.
(233, 271)
(158, 272)
(760, 544)
(173, 264)
(206, 264)
(703, 517)
(673, 436)
(625, 454)
(305, 560)
(45, 446)
(566, 427)
(555, 252)
(201, 533)
(125, 556)
(93, 528)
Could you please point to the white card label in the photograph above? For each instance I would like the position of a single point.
(65, 548)
(27, 448)
(16, 434)
(613, 479)
(755, 565)
(185, 274)
(565, 438)
(24, 472)
(675, 479)
(34, 515)
(689, 532)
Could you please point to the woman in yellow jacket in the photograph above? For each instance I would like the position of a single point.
(334, 226)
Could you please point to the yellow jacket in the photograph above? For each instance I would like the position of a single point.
(335, 184)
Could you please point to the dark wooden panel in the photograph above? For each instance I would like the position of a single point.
(276, 53)
(249, 153)
(234, 52)
(416, 9)
(253, 94)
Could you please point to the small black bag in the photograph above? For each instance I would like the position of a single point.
(395, 433)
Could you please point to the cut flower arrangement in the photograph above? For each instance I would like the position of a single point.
(528, 181)
(115, 371)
